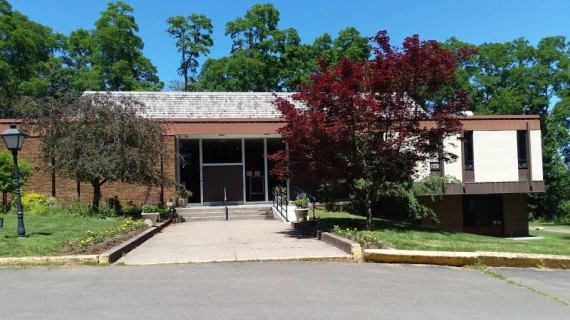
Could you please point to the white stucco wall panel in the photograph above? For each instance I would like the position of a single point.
(454, 169)
(536, 155)
(495, 156)
(422, 170)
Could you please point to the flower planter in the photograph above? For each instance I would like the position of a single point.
(182, 202)
(150, 218)
(301, 214)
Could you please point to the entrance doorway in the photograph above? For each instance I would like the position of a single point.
(216, 178)
(237, 164)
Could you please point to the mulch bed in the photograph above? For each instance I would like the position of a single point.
(103, 246)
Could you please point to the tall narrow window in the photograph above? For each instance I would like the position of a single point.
(468, 146)
(522, 149)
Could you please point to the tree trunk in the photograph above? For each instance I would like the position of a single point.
(5, 201)
(53, 186)
(96, 194)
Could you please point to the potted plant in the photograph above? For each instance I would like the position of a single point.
(182, 196)
(150, 213)
(280, 194)
(301, 207)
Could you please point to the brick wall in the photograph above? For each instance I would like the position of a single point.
(66, 189)
(449, 211)
(515, 214)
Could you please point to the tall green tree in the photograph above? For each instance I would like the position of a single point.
(256, 58)
(27, 51)
(193, 36)
(110, 57)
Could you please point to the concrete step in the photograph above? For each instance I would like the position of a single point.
(221, 218)
(219, 213)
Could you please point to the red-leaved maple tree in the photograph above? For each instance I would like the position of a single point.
(371, 123)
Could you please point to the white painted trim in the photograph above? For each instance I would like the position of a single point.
(222, 164)
(536, 149)
(244, 186)
(288, 191)
(201, 174)
(266, 172)
(227, 136)
(177, 151)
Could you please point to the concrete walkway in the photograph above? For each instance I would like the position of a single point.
(239, 240)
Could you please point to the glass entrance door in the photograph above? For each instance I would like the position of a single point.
(222, 171)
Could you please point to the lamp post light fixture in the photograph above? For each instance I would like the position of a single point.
(14, 139)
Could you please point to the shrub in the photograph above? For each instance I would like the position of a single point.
(78, 208)
(183, 193)
(302, 202)
(148, 207)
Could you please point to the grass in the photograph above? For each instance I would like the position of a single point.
(551, 225)
(405, 236)
(46, 235)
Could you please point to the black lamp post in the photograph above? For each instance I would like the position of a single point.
(14, 139)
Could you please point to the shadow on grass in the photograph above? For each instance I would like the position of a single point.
(29, 235)
(328, 223)
(39, 234)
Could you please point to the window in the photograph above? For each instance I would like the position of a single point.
(483, 210)
(435, 166)
(522, 149)
(221, 151)
(468, 150)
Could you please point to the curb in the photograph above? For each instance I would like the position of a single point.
(49, 259)
(348, 246)
(459, 259)
(106, 257)
(118, 251)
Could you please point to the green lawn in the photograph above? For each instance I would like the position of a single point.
(45, 235)
(551, 225)
(406, 236)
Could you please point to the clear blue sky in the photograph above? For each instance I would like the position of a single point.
(473, 21)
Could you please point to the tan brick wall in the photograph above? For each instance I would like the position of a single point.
(66, 189)
(449, 211)
(515, 214)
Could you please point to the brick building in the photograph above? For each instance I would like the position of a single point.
(223, 137)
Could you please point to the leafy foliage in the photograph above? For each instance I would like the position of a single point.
(27, 49)
(149, 208)
(110, 57)
(364, 122)
(193, 38)
(7, 175)
(302, 202)
(518, 78)
(401, 200)
(106, 139)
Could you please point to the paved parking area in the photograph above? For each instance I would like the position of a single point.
(550, 281)
(239, 240)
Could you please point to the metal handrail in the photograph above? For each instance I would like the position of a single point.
(225, 198)
(312, 199)
(279, 204)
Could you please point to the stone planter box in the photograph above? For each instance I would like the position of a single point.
(301, 214)
(151, 217)
(182, 202)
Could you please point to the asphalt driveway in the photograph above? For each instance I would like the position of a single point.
(238, 240)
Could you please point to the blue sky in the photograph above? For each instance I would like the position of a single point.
(473, 21)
